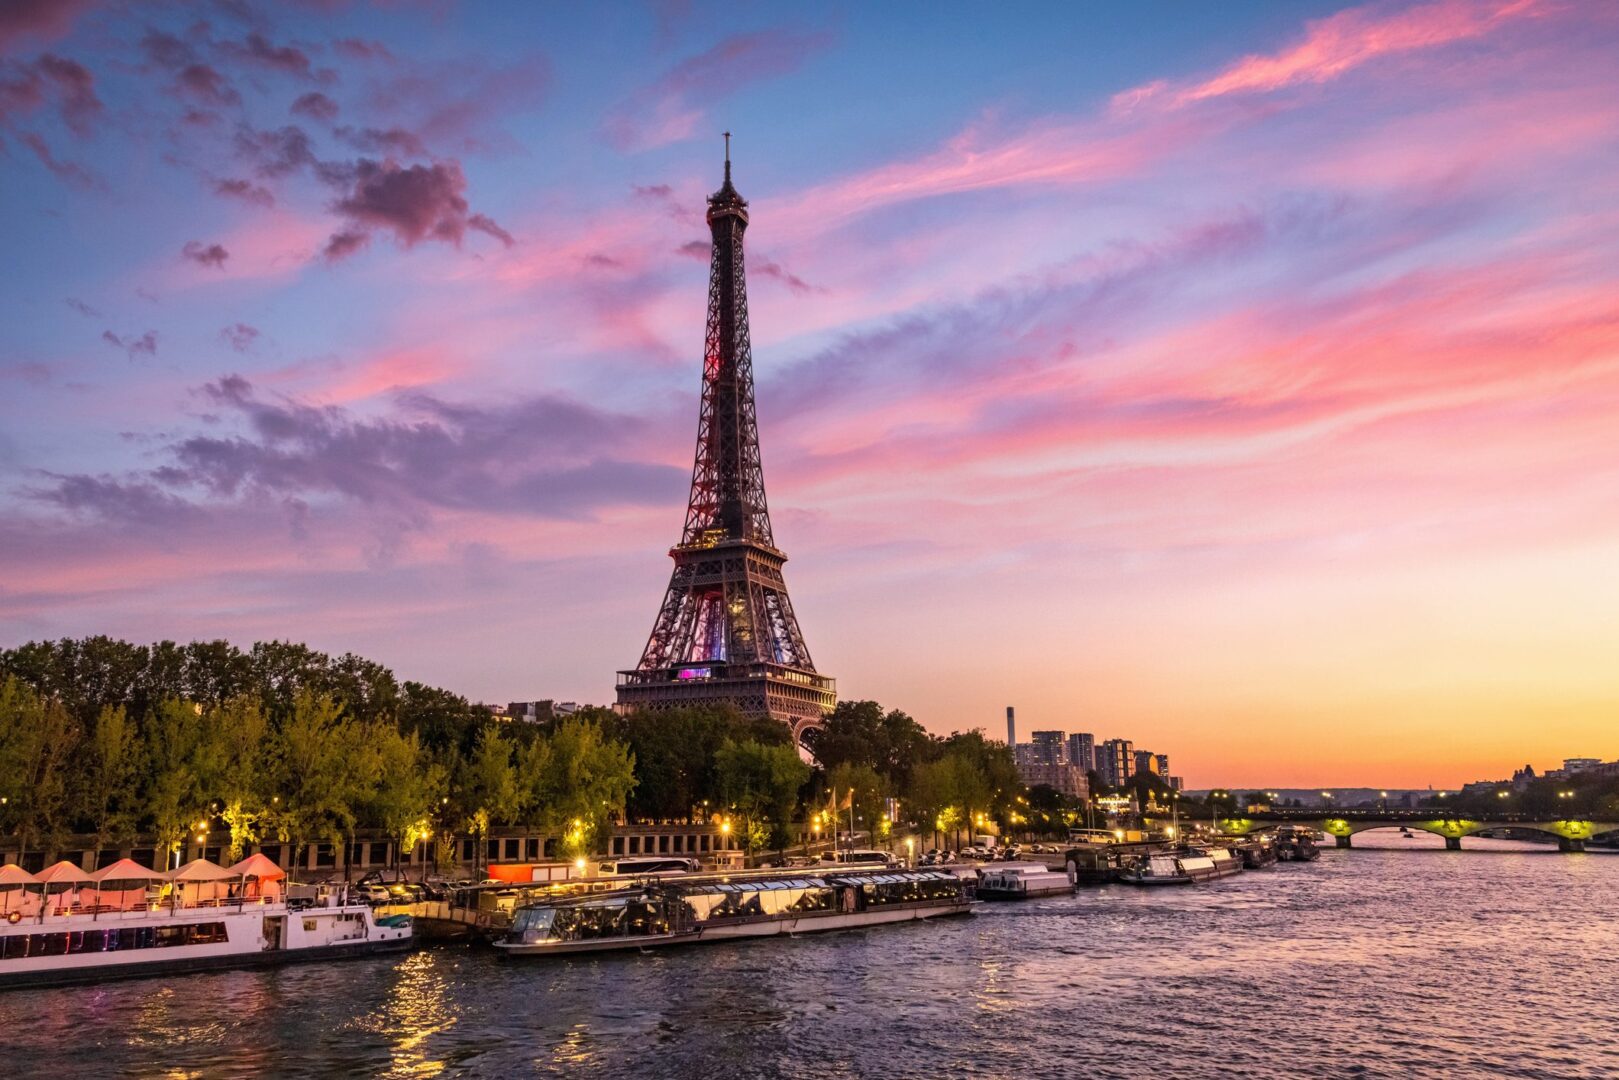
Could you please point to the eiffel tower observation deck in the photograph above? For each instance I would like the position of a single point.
(726, 631)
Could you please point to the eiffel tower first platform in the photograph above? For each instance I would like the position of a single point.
(726, 631)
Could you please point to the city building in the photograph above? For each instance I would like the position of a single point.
(1146, 762)
(1082, 750)
(1070, 780)
(1115, 762)
(1163, 764)
(1050, 747)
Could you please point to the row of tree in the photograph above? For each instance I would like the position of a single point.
(113, 740)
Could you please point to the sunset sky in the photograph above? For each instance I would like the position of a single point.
(1239, 378)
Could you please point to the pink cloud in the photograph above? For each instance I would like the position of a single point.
(1342, 42)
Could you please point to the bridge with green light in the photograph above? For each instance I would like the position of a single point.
(1571, 833)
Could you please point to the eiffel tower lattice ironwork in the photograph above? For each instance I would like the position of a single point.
(726, 631)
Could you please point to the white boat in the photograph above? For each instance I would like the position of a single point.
(1226, 860)
(1019, 881)
(725, 907)
(1166, 868)
(128, 921)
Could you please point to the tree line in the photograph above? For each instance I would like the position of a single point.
(113, 740)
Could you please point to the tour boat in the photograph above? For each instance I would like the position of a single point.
(1019, 881)
(1256, 853)
(127, 921)
(1226, 861)
(724, 907)
(1167, 868)
(1295, 845)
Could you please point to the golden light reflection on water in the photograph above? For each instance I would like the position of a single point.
(417, 1008)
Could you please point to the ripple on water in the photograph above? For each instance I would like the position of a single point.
(1367, 963)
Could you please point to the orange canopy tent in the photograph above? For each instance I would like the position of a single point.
(200, 880)
(123, 884)
(13, 881)
(63, 879)
(260, 876)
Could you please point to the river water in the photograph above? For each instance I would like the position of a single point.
(1381, 961)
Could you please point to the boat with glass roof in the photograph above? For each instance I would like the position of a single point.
(714, 907)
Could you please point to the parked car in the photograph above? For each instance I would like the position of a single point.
(373, 894)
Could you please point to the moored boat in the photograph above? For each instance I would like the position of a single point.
(722, 907)
(1257, 852)
(1226, 861)
(127, 921)
(1020, 881)
(1167, 868)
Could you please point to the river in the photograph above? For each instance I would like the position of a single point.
(1371, 962)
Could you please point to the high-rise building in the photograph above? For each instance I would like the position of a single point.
(1115, 761)
(1011, 727)
(726, 631)
(1050, 747)
(1082, 750)
(1163, 764)
(1146, 762)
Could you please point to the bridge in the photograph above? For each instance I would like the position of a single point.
(1571, 833)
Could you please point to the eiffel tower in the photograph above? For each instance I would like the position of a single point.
(726, 631)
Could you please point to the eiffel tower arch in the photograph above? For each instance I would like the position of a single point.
(726, 631)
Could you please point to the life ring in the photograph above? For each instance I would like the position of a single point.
(14, 918)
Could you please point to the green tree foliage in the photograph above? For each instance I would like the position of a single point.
(861, 733)
(580, 782)
(487, 786)
(759, 783)
(112, 761)
(320, 767)
(861, 787)
(675, 751)
(38, 743)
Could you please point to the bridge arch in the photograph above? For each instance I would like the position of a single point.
(1571, 833)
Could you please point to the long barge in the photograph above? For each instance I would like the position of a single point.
(729, 907)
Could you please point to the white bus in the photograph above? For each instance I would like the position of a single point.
(643, 865)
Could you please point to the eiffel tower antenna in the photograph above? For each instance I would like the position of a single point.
(726, 631)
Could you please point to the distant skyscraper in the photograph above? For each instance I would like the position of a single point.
(1115, 760)
(1082, 750)
(1050, 747)
(1146, 762)
(1011, 728)
(1163, 765)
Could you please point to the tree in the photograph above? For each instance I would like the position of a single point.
(405, 788)
(869, 795)
(38, 743)
(488, 786)
(113, 761)
(181, 762)
(861, 733)
(240, 731)
(760, 782)
(319, 766)
(582, 783)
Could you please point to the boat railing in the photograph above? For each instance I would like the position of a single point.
(148, 909)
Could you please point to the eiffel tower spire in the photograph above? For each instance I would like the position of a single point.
(726, 630)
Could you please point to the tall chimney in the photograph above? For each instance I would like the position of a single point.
(1011, 728)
